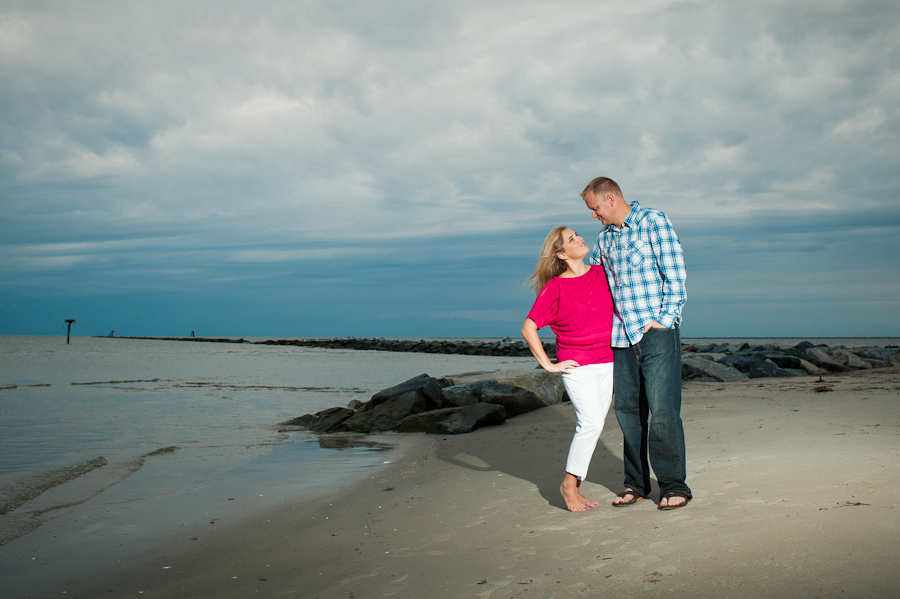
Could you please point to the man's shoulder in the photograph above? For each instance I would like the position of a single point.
(648, 217)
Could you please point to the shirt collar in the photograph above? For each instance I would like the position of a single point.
(634, 215)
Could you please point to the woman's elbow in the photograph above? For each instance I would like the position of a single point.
(528, 327)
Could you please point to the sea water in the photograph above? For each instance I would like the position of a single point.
(110, 445)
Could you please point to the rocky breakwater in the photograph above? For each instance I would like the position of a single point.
(462, 403)
(503, 347)
(451, 405)
(729, 362)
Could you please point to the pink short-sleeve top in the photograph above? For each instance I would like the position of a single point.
(579, 311)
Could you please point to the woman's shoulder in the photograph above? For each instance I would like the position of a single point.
(597, 270)
(551, 286)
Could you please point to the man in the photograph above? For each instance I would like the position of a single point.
(645, 267)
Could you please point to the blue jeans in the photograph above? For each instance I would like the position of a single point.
(647, 389)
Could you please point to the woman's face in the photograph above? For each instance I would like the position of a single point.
(573, 245)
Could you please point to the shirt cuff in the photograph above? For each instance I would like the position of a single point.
(667, 320)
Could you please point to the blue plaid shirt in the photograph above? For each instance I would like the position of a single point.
(645, 268)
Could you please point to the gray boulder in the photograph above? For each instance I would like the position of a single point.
(427, 387)
(809, 367)
(872, 352)
(546, 385)
(306, 421)
(465, 394)
(743, 363)
(768, 368)
(783, 361)
(823, 360)
(515, 400)
(331, 420)
(877, 357)
(432, 391)
(878, 363)
(468, 419)
(846, 357)
(712, 356)
(695, 366)
(466, 388)
(417, 423)
(387, 415)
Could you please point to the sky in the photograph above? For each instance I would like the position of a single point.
(348, 168)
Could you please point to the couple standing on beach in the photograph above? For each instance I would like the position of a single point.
(616, 324)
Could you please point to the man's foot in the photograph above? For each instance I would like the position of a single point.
(673, 500)
(626, 497)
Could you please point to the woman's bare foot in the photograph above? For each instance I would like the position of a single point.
(587, 502)
(575, 501)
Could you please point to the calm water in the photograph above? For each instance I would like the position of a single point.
(130, 401)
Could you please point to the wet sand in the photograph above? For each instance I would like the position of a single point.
(795, 495)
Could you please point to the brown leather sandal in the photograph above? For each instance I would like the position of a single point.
(671, 494)
(634, 498)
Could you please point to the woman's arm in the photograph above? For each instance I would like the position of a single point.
(530, 333)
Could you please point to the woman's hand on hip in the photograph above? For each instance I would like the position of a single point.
(565, 366)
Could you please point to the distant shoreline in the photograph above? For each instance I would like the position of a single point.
(470, 346)
(245, 338)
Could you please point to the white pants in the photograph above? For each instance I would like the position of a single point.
(590, 389)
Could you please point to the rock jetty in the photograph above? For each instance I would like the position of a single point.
(503, 347)
(465, 402)
(730, 362)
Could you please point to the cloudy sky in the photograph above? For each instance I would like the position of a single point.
(338, 168)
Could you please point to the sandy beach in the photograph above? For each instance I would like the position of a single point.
(795, 486)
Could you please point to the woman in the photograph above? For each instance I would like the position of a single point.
(573, 299)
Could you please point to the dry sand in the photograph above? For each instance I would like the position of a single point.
(795, 495)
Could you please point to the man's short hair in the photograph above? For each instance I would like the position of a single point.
(602, 186)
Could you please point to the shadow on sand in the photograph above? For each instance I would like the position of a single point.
(534, 446)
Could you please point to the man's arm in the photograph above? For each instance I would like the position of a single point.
(670, 262)
(595, 257)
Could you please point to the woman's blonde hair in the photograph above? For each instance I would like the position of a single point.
(549, 265)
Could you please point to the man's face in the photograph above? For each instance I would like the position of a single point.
(601, 207)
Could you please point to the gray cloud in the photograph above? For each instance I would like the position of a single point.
(149, 145)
